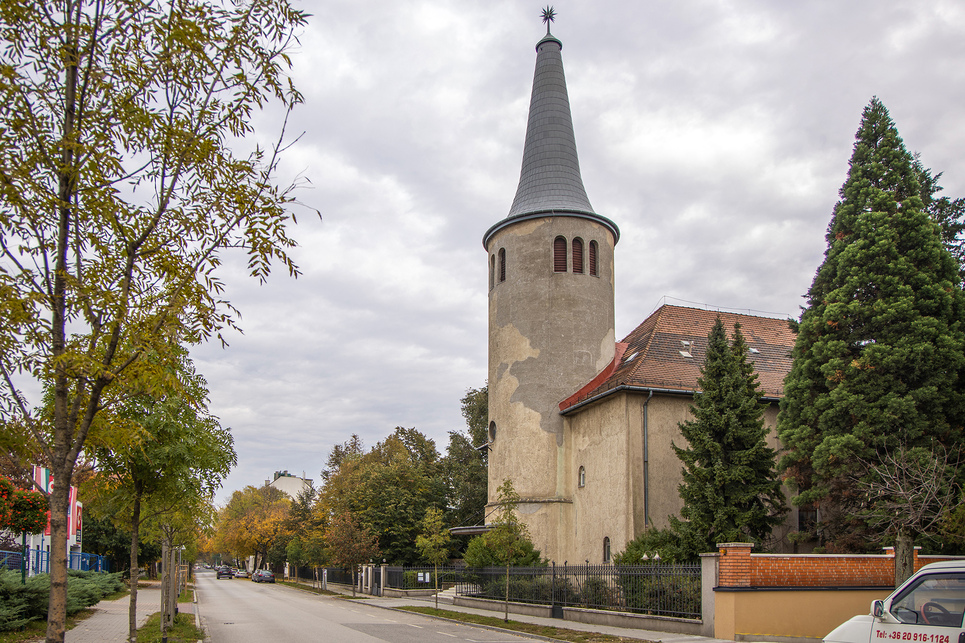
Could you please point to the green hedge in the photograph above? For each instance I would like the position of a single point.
(22, 603)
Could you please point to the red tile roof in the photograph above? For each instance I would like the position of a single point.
(654, 357)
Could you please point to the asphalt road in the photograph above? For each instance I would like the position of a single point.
(240, 611)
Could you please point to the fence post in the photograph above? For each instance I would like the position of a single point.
(708, 581)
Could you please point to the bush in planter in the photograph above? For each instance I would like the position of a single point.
(596, 593)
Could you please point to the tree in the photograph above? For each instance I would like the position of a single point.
(730, 490)
(388, 490)
(464, 465)
(508, 535)
(181, 454)
(914, 490)
(878, 360)
(119, 193)
(350, 544)
(433, 543)
(252, 521)
(947, 212)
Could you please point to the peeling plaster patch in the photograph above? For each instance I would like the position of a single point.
(528, 508)
(607, 348)
(515, 413)
(512, 346)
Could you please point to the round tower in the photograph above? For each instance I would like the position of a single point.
(551, 320)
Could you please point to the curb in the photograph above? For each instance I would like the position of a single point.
(492, 628)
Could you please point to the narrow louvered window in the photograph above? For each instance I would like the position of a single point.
(502, 264)
(492, 271)
(578, 256)
(559, 255)
(593, 258)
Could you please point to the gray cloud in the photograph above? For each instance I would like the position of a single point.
(715, 134)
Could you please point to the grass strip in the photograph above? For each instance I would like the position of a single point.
(558, 633)
(183, 630)
(307, 588)
(37, 630)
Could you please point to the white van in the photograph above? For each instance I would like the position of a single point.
(926, 608)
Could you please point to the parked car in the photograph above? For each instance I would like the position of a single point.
(926, 608)
(241, 574)
(263, 576)
(225, 572)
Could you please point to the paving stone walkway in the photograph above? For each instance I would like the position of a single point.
(108, 624)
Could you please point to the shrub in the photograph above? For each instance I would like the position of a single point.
(22, 603)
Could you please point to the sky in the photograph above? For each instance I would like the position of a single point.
(715, 134)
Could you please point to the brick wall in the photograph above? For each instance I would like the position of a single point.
(738, 567)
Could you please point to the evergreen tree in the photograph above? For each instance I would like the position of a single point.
(730, 490)
(878, 359)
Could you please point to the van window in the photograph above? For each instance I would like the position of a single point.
(936, 599)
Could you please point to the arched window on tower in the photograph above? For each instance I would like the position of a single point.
(582, 477)
(593, 253)
(559, 254)
(606, 549)
(502, 264)
(492, 431)
(578, 256)
(492, 271)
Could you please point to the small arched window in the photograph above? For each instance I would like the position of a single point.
(606, 549)
(559, 254)
(593, 253)
(492, 431)
(578, 256)
(502, 264)
(492, 271)
(582, 477)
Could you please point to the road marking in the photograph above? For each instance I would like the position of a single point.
(448, 634)
(414, 625)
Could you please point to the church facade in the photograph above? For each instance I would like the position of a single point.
(582, 423)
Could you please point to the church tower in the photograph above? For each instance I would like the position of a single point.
(551, 320)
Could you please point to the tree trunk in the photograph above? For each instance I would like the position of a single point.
(506, 612)
(57, 607)
(904, 557)
(135, 544)
(165, 571)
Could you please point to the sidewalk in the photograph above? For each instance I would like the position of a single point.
(643, 635)
(109, 622)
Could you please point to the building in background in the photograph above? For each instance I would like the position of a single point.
(289, 483)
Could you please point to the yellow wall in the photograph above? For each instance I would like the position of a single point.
(756, 614)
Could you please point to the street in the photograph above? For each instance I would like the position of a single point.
(239, 611)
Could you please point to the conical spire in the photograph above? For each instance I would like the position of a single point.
(550, 181)
(550, 177)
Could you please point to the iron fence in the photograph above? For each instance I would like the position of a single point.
(422, 577)
(340, 575)
(38, 561)
(659, 590)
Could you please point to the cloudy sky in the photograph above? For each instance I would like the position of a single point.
(715, 134)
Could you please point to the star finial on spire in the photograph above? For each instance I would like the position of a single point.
(549, 15)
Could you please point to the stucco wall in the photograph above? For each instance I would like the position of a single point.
(549, 333)
(766, 615)
(597, 440)
(609, 440)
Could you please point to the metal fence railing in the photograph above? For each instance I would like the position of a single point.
(38, 561)
(422, 577)
(339, 575)
(661, 590)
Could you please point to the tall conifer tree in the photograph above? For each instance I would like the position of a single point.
(878, 360)
(730, 489)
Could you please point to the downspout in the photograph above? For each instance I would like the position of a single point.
(646, 465)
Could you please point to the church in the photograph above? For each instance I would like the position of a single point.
(580, 422)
